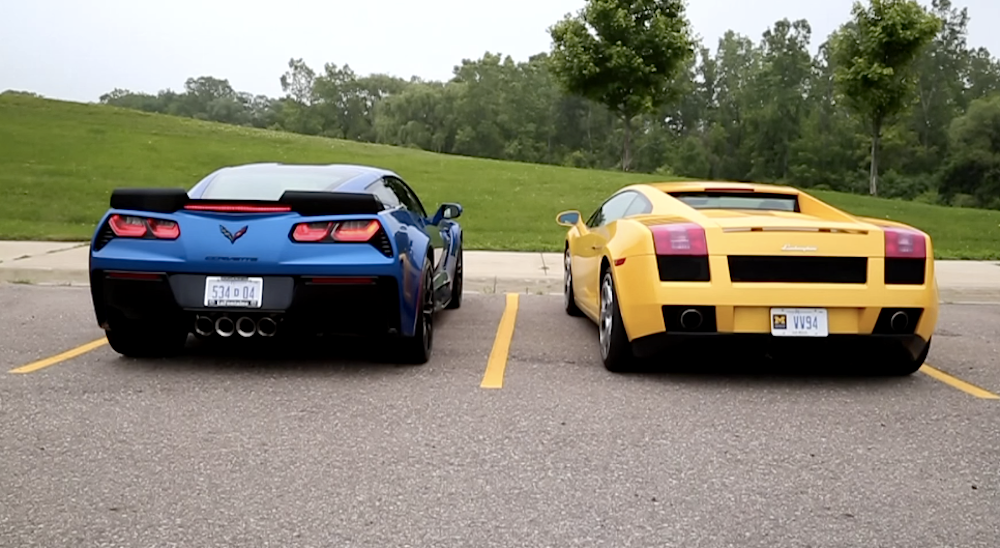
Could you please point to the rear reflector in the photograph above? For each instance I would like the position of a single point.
(239, 208)
(679, 239)
(133, 275)
(903, 243)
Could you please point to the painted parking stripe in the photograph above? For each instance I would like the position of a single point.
(501, 345)
(58, 358)
(958, 383)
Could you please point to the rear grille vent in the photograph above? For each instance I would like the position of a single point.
(103, 237)
(905, 271)
(382, 243)
(833, 270)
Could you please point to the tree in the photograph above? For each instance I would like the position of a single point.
(874, 54)
(974, 165)
(623, 54)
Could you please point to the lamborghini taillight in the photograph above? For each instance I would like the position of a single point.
(903, 243)
(130, 226)
(679, 239)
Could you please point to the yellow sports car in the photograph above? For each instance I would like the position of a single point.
(766, 265)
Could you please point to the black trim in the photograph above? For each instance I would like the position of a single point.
(306, 203)
(683, 268)
(905, 271)
(672, 319)
(763, 269)
(883, 326)
(852, 348)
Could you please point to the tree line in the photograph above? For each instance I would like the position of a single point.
(764, 109)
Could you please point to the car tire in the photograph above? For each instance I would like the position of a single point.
(616, 350)
(416, 349)
(146, 341)
(456, 285)
(569, 297)
(905, 366)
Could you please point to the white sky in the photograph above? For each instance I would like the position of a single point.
(79, 49)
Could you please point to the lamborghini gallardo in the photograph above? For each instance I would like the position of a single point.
(261, 249)
(666, 265)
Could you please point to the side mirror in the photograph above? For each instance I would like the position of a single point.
(568, 218)
(447, 211)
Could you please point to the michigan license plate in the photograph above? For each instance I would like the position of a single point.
(799, 322)
(233, 291)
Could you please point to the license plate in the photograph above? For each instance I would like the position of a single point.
(233, 291)
(799, 322)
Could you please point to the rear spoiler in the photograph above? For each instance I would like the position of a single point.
(308, 203)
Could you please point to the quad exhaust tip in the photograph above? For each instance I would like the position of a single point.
(203, 326)
(225, 327)
(246, 327)
(691, 319)
(267, 327)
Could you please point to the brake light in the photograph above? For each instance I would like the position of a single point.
(343, 231)
(127, 226)
(356, 231)
(679, 239)
(903, 243)
(165, 230)
(239, 208)
(311, 232)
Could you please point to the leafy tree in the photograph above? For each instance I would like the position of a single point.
(622, 54)
(974, 166)
(874, 54)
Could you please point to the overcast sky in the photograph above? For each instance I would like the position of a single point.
(79, 49)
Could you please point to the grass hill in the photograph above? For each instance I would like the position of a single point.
(59, 162)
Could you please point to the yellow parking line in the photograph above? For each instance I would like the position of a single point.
(958, 383)
(501, 345)
(82, 349)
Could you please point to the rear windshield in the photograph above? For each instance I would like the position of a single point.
(739, 200)
(271, 184)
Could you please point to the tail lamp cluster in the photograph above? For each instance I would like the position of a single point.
(681, 252)
(905, 256)
(336, 231)
(130, 226)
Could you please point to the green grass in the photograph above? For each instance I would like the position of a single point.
(59, 162)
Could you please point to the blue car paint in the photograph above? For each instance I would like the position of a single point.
(266, 249)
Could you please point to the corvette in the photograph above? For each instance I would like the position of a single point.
(668, 265)
(260, 249)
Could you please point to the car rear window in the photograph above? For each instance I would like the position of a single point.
(739, 200)
(271, 184)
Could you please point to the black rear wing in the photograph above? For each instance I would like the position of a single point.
(307, 203)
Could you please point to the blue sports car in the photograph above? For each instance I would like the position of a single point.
(255, 250)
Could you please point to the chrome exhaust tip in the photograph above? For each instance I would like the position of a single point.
(224, 326)
(899, 321)
(203, 326)
(691, 319)
(267, 327)
(245, 327)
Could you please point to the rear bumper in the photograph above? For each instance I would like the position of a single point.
(360, 306)
(846, 348)
(650, 307)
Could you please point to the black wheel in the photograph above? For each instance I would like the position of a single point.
(146, 341)
(456, 285)
(904, 365)
(417, 349)
(616, 350)
(569, 298)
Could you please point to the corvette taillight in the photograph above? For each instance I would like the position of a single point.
(679, 239)
(343, 231)
(903, 243)
(130, 226)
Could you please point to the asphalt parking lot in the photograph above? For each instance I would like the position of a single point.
(520, 441)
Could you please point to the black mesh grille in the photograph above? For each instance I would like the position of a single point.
(837, 270)
(682, 268)
(905, 271)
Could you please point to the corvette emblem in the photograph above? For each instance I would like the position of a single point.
(790, 247)
(233, 237)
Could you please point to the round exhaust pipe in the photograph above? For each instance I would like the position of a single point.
(691, 319)
(267, 327)
(224, 326)
(899, 321)
(245, 327)
(203, 326)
